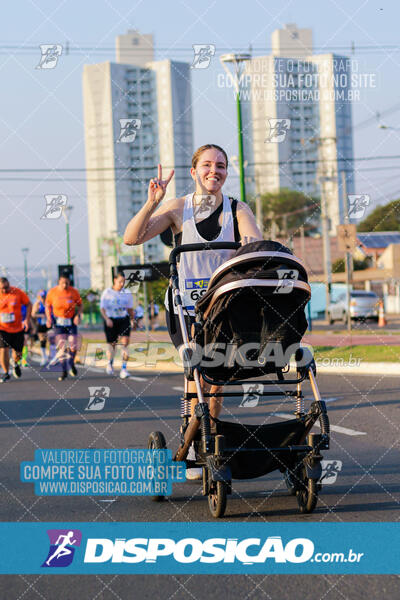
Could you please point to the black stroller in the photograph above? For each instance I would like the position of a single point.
(254, 306)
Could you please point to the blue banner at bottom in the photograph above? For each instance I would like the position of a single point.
(209, 548)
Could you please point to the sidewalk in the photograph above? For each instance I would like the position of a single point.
(337, 339)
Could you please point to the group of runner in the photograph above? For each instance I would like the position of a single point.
(58, 314)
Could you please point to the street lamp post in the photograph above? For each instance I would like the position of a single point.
(145, 296)
(322, 178)
(25, 253)
(66, 218)
(115, 241)
(238, 62)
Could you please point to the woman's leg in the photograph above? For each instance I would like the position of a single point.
(214, 402)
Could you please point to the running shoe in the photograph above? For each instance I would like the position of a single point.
(5, 378)
(43, 361)
(194, 473)
(124, 374)
(17, 371)
(109, 369)
(73, 372)
(63, 376)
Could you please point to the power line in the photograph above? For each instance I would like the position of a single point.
(145, 49)
(377, 116)
(187, 166)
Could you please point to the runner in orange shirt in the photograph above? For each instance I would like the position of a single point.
(12, 326)
(65, 303)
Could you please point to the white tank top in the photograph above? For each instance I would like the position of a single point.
(196, 268)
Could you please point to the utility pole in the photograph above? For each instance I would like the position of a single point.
(323, 178)
(348, 255)
(326, 247)
(25, 254)
(302, 244)
(65, 211)
(259, 208)
(238, 65)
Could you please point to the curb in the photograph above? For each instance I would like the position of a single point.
(381, 368)
(364, 368)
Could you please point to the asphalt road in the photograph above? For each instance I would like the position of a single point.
(40, 412)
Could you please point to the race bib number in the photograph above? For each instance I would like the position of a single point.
(194, 290)
(7, 317)
(63, 321)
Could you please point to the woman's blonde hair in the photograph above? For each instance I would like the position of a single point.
(199, 151)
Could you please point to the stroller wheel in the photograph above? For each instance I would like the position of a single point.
(217, 498)
(156, 442)
(307, 495)
(289, 482)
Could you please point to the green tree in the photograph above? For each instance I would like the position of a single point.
(359, 265)
(156, 290)
(383, 218)
(290, 210)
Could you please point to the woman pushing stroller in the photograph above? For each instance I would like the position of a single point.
(200, 217)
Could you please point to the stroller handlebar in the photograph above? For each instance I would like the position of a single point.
(198, 247)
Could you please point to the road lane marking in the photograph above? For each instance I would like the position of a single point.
(99, 370)
(336, 428)
(329, 399)
(178, 388)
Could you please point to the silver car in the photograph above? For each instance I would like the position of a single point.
(363, 305)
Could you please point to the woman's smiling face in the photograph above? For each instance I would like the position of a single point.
(210, 172)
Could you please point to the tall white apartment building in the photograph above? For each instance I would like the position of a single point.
(297, 123)
(137, 113)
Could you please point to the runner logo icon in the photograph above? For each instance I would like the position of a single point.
(55, 204)
(278, 129)
(50, 54)
(62, 547)
(98, 396)
(129, 129)
(202, 55)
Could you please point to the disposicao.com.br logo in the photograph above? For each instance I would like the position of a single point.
(247, 551)
(62, 547)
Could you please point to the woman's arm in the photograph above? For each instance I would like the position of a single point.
(145, 225)
(248, 227)
(148, 223)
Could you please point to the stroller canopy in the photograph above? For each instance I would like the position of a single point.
(254, 305)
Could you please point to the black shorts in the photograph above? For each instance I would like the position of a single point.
(12, 340)
(174, 329)
(68, 330)
(42, 329)
(120, 328)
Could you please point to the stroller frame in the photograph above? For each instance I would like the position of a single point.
(299, 462)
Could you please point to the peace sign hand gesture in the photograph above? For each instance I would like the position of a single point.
(158, 187)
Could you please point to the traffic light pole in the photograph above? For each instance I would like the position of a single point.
(240, 145)
(348, 256)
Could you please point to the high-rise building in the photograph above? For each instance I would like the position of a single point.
(137, 113)
(297, 123)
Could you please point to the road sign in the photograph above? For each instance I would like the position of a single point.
(347, 237)
(144, 272)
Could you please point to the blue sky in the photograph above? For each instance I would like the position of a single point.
(41, 111)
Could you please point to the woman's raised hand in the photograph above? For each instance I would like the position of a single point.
(158, 187)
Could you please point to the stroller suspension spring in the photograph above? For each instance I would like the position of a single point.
(185, 407)
(203, 414)
(299, 401)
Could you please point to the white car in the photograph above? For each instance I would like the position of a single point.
(363, 305)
